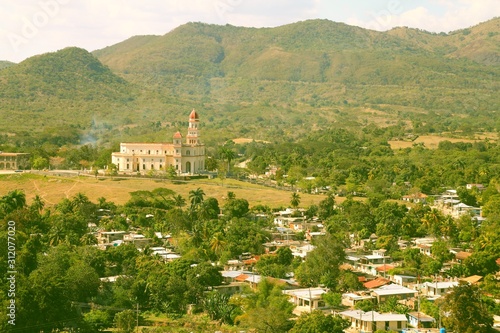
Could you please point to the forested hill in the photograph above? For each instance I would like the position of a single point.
(269, 83)
(4, 64)
(320, 64)
(67, 87)
(310, 51)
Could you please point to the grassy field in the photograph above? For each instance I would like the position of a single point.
(52, 189)
(432, 141)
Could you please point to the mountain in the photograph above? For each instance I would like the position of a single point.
(267, 83)
(63, 88)
(5, 64)
(320, 67)
(480, 43)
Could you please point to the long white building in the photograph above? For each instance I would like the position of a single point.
(186, 156)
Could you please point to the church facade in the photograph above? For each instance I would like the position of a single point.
(186, 156)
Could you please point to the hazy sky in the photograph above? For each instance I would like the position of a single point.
(30, 27)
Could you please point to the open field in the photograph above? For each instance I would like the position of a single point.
(52, 189)
(432, 141)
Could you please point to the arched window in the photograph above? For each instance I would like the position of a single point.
(188, 152)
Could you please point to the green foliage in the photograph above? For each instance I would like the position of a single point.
(125, 321)
(236, 208)
(466, 311)
(318, 322)
(218, 307)
(322, 264)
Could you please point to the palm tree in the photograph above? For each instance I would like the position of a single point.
(38, 203)
(227, 154)
(295, 200)
(179, 201)
(217, 243)
(196, 197)
(14, 200)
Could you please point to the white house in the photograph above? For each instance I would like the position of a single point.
(393, 290)
(306, 299)
(372, 321)
(438, 288)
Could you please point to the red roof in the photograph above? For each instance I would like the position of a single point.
(178, 135)
(378, 282)
(193, 115)
(242, 277)
(384, 268)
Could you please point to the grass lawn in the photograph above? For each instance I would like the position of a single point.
(52, 189)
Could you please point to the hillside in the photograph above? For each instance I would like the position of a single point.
(269, 83)
(319, 67)
(5, 64)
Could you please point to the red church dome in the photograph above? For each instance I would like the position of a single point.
(193, 115)
(178, 135)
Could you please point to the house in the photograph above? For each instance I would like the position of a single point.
(372, 321)
(403, 280)
(420, 320)
(480, 187)
(473, 279)
(393, 290)
(425, 249)
(351, 299)
(461, 256)
(186, 157)
(14, 161)
(108, 237)
(140, 241)
(302, 251)
(462, 209)
(306, 299)
(378, 282)
(415, 198)
(438, 288)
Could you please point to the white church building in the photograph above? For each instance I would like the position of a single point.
(186, 156)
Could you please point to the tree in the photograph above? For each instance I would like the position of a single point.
(97, 320)
(40, 163)
(467, 313)
(269, 310)
(126, 321)
(318, 322)
(179, 201)
(196, 197)
(295, 200)
(218, 307)
(322, 264)
(227, 154)
(236, 208)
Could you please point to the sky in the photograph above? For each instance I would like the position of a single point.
(31, 27)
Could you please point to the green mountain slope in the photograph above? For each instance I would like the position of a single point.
(269, 83)
(5, 64)
(327, 68)
(67, 87)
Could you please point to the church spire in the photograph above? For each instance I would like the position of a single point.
(192, 137)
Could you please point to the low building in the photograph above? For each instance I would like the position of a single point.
(351, 299)
(404, 280)
(438, 288)
(14, 161)
(393, 290)
(306, 299)
(372, 321)
(420, 320)
(107, 237)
